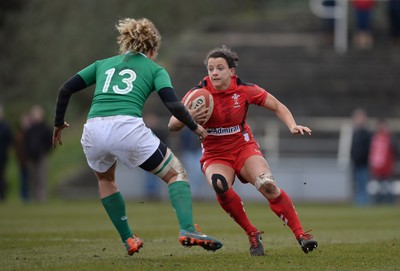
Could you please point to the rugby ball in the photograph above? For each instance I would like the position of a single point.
(198, 97)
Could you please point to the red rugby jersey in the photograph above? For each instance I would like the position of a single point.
(227, 127)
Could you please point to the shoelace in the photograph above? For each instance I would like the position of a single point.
(253, 238)
(130, 241)
(197, 227)
(306, 235)
(133, 240)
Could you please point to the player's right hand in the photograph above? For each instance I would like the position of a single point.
(201, 132)
(57, 134)
(200, 113)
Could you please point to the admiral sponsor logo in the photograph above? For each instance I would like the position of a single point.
(223, 131)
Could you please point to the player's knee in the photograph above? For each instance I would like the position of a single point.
(266, 182)
(171, 168)
(177, 166)
(219, 183)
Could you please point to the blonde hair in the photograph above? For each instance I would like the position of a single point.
(137, 36)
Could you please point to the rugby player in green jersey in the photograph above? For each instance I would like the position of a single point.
(115, 129)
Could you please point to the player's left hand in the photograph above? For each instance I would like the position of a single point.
(298, 129)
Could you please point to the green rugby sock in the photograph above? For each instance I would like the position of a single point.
(115, 207)
(181, 200)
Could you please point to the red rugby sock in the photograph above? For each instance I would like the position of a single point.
(233, 205)
(284, 209)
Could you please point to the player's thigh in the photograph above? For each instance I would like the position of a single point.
(253, 167)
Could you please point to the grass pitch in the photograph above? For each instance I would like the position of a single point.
(77, 235)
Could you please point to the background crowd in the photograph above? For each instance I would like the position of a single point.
(31, 142)
(373, 153)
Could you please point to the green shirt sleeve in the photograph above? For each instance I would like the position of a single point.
(162, 79)
(88, 74)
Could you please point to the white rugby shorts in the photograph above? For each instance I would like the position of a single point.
(126, 138)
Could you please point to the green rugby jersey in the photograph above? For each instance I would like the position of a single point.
(123, 83)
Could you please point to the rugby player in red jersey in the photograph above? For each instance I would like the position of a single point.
(230, 149)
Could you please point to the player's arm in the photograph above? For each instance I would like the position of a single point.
(180, 112)
(199, 114)
(71, 86)
(285, 115)
(174, 124)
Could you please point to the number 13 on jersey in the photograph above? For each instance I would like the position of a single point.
(127, 77)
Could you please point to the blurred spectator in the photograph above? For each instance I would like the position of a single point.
(153, 183)
(359, 152)
(394, 21)
(23, 125)
(382, 161)
(363, 38)
(191, 154)
(5, 143)
(329, 24)
(38, 140)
